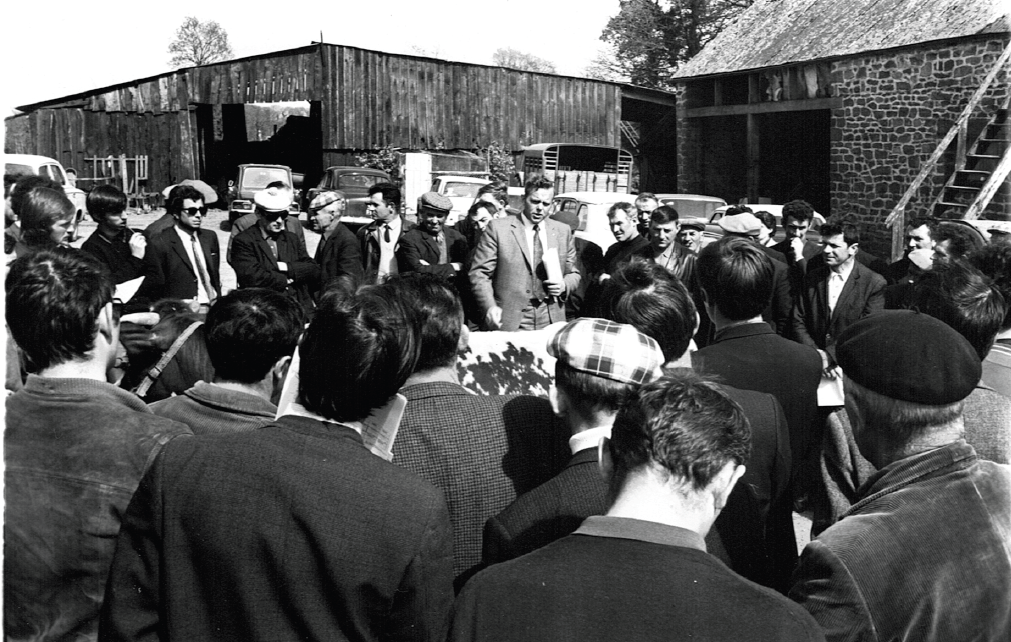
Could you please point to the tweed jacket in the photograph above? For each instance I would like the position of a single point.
(924, 554)
(338, 254)
(502, 269)
(368, 242)
(168, 271)
(256, 266)
(207, 409)
(624, 579)
(481, 451)
(418, 245)
(815, 326)
(291, 532)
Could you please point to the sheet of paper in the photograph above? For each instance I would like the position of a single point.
(552, 266)
(126, 289)
(830, 391)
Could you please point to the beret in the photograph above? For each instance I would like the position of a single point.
(607, 349)
(743, 223)
(909, 356)
(325, 198)
(436, 201)
(694, 222)
(273, 199)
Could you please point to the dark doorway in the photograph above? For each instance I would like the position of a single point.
(794, 156)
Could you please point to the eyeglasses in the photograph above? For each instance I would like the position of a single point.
(273, 216)
(193, 211)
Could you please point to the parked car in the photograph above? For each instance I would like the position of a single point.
(21, 164)
(355, 183)
(251, 179)
(591, 208)
(461, 190)
(692, 205)
(714, 231)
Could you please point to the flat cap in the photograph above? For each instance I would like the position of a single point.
(607, 349)
(694, 223)
(326, 198)
(909, 356)
(274, 199)
(436, 201)
(743, 223)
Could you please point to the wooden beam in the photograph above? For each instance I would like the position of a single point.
(753, 151)
(834, 102)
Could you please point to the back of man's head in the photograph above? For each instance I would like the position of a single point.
(994, 261)
(961, 296)
(653, 301)
(249, 330)
(357, 353)
(737, 277)
(53, 302)
(25, 185)
(682, 425)
(438, 313)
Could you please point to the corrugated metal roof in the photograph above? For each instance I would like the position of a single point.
(780, 32)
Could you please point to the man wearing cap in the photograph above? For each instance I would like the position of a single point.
(431, 247)
(182, 262)
(642, 571)
(291, 223)
(338, 253)
(690, 233)
(925, 552)
(268, 256)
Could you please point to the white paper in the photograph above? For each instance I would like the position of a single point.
(126, 289)
(830, 391)
(551, 264)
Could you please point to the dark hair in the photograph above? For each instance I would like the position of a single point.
(621, 207)
(961, 296)
(438, 315)
(179, 193)
(994, 261)
(646, 196)
(536, 182)
(767, 219)
(663, 215)
(682, 424)
(590, 393)
(277, 185)
(799, 210)
(25, 185)
(248, 330)
(9, 181)
(356, 354)
(53, 302)
(653, 301)
(737, 277)
(919, 221)
(41, 208)
(390, 192)
(105, 200)
(961, 240)
(495, 188)
(734, 210)
(845, 225)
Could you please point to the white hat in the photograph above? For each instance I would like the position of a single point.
(274, 199)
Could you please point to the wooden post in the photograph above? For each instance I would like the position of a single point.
(753, 159)
(124, 175)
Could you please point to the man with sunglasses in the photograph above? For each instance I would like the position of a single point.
(246, 221)
(267, 255)
(182, 262)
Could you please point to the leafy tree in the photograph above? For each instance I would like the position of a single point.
(500, 161)
(507, 57)
(385, 159)
(649, 39)
(199, 43)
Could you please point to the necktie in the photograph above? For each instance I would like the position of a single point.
(205, 278)
(386, 233)
(537, 285)
(443, 256)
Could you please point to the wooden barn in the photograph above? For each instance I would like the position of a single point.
(190, 123)
(880, 108)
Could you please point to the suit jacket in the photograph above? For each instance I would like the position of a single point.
(164, 222)
(502, 269)
(168, 271)
(256, 267)
(482, 452)
(418, 245)
(623, 579)
(291, 224)
(293, 531)
(368, 241)
(862, 294)
(337, 256)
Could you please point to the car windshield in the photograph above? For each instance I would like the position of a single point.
(361, 181)
(464, 190)
(688, 208)
(18, 170)
(260, 177)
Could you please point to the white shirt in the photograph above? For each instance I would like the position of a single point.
(202, 294)
(542, 232)
(836, 281)
(387, 251)
(588, 438)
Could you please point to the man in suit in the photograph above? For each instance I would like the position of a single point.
(431, 247)
(338, 253)
(379, 239)
(508, 275)
(836, 294)
(675, 453)
(244, 222)
(182, 262)
(296, 530)
(481, 451)
(925, 552)
(797, 217)
(268, 256)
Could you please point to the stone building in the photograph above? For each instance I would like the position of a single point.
(845, 103)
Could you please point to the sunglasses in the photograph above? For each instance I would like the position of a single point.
(193, 211)
(273, 216)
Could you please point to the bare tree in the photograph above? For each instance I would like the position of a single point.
(507, 57)
(199, 43)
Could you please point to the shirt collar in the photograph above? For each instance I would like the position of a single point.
(846, 268)
(588, 438)
(183, 234)
(529, 225)
(642, 530)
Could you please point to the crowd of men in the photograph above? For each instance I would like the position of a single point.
(649, 496)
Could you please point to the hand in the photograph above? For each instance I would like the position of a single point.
(832, 372)
(457, 266)
(555, 288)
(138, 244)
(493, 319)
(826, 361)
(282, 266)
(603, 277)
(423, 262)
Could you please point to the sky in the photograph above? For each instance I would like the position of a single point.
(77, 46)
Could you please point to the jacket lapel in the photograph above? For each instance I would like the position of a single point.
(177, 247)
(847, 290)
(265, 248)
(519, 231)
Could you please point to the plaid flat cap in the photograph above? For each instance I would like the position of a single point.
(436, 201)
(607, 349)
(325, 198)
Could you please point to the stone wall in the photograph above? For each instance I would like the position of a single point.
(896, 108)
